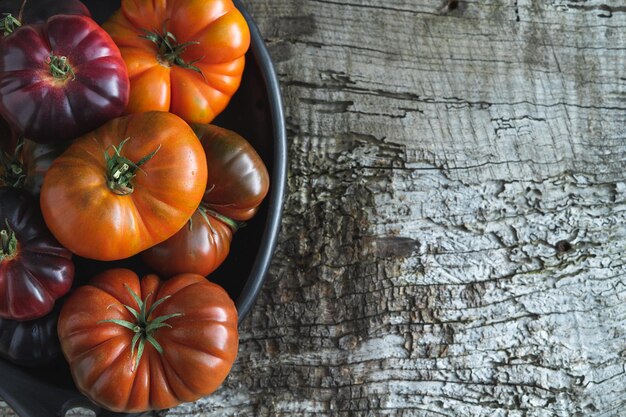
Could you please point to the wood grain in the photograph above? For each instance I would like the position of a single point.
(453, 239)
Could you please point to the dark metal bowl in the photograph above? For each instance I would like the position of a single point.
(256, 113)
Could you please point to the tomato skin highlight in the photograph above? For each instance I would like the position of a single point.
(196, 83)
(61, 79)
(39, 270)
(198, 350)
(97, 222)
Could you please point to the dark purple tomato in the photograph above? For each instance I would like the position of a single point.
(30, 343)
(61, 79)
(35, 270)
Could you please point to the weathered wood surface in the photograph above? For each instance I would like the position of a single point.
(453, 241)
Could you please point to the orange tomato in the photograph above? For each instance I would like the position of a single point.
(125, 187)
(183, 56)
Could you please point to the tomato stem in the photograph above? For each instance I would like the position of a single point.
(60, 68)
(8, 24)
(9, 242)
(121, 170)
(144, 326)
(169, 50)
(21, 12)
(206, 211)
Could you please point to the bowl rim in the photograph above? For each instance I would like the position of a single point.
(261, 264)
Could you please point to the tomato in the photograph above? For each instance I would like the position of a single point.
(129, 352)
(183, 56)
(30, 343)
(237, 184)
(21, 12)
(28, 164)
(124, 187)
(237, 179)
(61, 79)
(199, 247)
(35, 269)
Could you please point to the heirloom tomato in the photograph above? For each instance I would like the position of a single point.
(237, 183)
(138, 345)
(237, 179)
(32, 342)
(126, 186)
(183, 56)
(35, 269)
(21, 12)
(199, 247)
(61, 79)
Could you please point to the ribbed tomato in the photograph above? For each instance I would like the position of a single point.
(183, 56)
(35, 270)
(61, 79)
(138, 345)
(125, 187)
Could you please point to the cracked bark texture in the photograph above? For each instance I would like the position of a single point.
(453, 239)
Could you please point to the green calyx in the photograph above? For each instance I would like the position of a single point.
(120, 170)
(8, 24)
(144, 325)
(60, 68)
(234, 225)
(8, 242)
(169, 50)
(13, 171)
(205, 212)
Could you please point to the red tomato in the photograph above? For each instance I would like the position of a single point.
(199, 247)
(129, 352)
